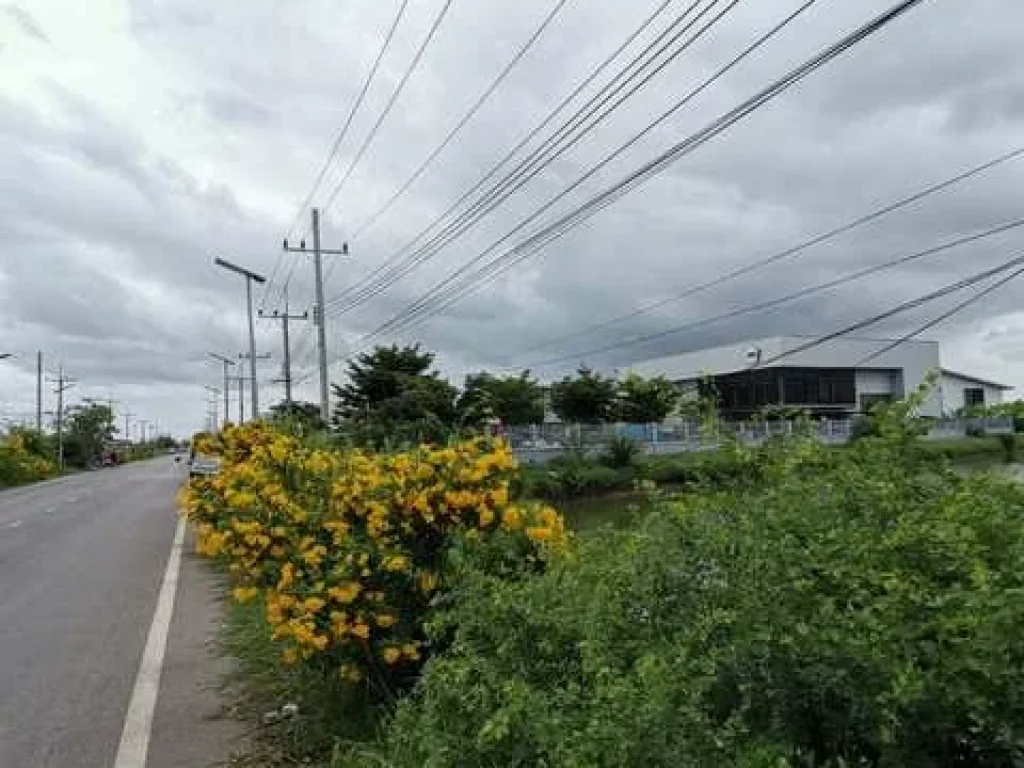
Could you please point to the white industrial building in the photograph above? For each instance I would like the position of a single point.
(835, 378)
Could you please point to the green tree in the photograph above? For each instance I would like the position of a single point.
(378, 376)
(646, 401)
(514, 400)
(589, 398)
(393, 395)
(305, 416)
(89, 428)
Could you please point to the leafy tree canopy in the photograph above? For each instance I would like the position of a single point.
(378, 376)
(514, 400)
(89, 428)
(588, 398)
(646, 401)
(393, 392)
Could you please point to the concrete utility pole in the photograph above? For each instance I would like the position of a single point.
(215, 392)
(252, 381)
(241, 396)
(128, 426)
(143, 423)
(39, 391)
(250, 278)
(227, 362)
(319, 316)
(63, 385)
(287, 367)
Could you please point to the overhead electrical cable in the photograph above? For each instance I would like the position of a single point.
(941, 318)
(788, 298)
(340, 138)
(788, 253)
(406, 259)
(454, 132)
(905, 306)
(448, 291)
(413, 65)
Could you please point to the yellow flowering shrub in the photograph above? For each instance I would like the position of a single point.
(347, 548)
(19, 464)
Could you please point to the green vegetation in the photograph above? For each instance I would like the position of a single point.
(393, 398)
(855, 607)
(297, 418)
(589, 398)
(26, 456)
(512, 400)
(575, 476)
(89, 428)
(785, 606)
(646, 401)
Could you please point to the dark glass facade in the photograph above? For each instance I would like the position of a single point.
(825, 390)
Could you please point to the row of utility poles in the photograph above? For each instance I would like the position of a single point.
(285, 318)
(62, 383)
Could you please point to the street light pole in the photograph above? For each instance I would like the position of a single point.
(250, 278)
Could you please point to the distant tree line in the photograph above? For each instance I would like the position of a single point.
(395, 393)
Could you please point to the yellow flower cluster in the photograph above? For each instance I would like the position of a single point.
(346, 548)
(19, 465)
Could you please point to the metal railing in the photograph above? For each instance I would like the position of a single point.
(542, 442)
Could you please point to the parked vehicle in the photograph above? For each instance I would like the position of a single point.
(203, 466)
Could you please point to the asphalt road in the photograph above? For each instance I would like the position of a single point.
(82, 560)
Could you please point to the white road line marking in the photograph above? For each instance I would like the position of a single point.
(15, 524)
(138, 723)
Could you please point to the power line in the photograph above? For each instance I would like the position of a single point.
(523, 142)
(788, 252)
(943, 317)
(445, 293)
(802, 293)
(403, 262)
(441, 296)
(336, 144)
(505, 72)
(390, 104)
(912, 304)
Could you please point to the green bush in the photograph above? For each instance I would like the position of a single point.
(852, 608)
(621, 452)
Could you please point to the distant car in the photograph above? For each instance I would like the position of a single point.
(204, 466)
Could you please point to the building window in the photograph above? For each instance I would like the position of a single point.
(974, 396)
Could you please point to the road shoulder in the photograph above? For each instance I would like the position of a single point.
(193, 725)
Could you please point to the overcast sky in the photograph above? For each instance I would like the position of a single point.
(141, 138)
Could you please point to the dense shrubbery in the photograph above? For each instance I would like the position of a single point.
(795, 605)
(856, 607)
(348, 549)
(25, 457)
(576, 476)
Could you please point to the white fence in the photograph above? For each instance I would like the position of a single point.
(543, 442)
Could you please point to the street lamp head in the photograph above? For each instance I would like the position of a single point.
(240, 270)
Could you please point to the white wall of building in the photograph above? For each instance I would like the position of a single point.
(914, 358)
(951, 391)
(876, 382)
